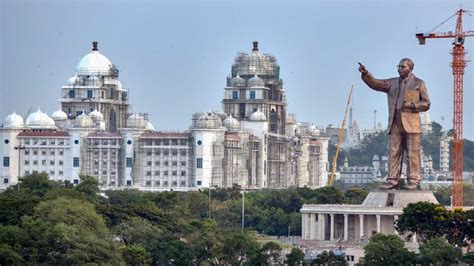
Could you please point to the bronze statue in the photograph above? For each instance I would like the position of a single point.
(407, 96)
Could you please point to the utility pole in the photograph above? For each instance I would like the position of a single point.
(243, 209)
(19, 147)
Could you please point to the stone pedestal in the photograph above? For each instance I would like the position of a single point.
(397, 198)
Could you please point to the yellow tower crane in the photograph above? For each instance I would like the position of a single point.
(339, 140)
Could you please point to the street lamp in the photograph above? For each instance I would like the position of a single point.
(243, 209)
(19, 147)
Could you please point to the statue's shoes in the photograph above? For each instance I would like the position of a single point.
(412, 186)
(389, 185)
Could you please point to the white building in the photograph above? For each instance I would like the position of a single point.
(96, 133)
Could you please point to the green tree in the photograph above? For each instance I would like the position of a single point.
(89, 186)
(37, 184)
(237, 247)
(136, 254)
(295, 257)
(83, 235)
(9, 257)
(438, 251)
(329, 258)
(468, 258)
(425, 219)
(355, 195)
(387, 250)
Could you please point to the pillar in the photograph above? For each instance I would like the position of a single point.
(378, 222)
(346, 227)
(331, 237)
(322, 231)
(361, 226)
(395, 220)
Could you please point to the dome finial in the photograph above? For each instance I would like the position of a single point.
(94, 46)
(255, 46)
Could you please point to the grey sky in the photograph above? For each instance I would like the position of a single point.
(174, 56)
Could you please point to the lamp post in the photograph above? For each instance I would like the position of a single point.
(19, 147)
(243, 209)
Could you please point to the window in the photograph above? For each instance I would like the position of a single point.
(51, 152)
(72, 94)
(183, 183)
(174, 142)
(51, 162)
(43, 152)
(51, 172)
(35, 162)
(148, 153)
(183, 173)
(166, 152)
(183, 163)
(183, 153)
(166, 142)
(199, 163)
(148, 183)
(60, 172)
(183, 142)
(175, 183)
(158, 142)
(174, 152)
(166, 163)
(148, 173)
(43, 162)
(175, 163)
(60, 162)
(165, 183)
(52, 142)
(129, 162)
(6, 161)
(252, 95)
(157, 163)
(235, 95)
(5, 181)
(148, 163)
(89, 94)
(157, 173)
(27, 152)
(35, 152)
(165, 173)
(157, 152)
(198, 183)
(75, 162)
(157, 183)
(76, 181)
(175, 173)
(27, 162)
(129, 182)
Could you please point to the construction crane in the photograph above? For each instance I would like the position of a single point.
(458, 65)
(339, 139)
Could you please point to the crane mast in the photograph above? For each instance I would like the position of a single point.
(458, 65)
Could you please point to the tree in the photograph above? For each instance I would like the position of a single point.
(237, 247)
(355, 195)
(89, 186)
(329, 258)
(468, 258)
(136, 254)
(9, 257)
(425, 219)
(295, 257)
(37, 184)
(272, 249)
(438, 251)
(387, 250)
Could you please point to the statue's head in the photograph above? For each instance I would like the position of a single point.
(405, 67)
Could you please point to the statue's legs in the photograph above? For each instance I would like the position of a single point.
(414, 160)
(395, 155)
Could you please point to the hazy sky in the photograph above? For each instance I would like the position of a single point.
(174, 56)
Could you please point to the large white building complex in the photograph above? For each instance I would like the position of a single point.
(253, 142)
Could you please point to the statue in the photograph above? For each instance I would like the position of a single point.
(407, 96)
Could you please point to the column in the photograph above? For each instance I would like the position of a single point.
(331, 237)
(361, 226)
(322, 230)
(346, 227)
(395, 220)
(378, 223)
(303, 226)
(311, 225)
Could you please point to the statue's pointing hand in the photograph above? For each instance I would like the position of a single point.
(362, 68)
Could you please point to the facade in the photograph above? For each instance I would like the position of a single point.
(252, 143)
(347, 228)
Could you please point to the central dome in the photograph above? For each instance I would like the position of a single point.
(255, 63)
(94, 63)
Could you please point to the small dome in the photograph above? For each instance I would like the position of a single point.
(314, 130)
(40, 120)
(256, 81)
(136, 121)
(96, 115)
(258, 116)
(84, 121)
(149, 126)
(72, 81)
(238, 81)
(94, 63)
(231, 123)
(14, 121)
(209, 121)
(59, 115)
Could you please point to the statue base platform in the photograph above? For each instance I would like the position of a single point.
(397, 198)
